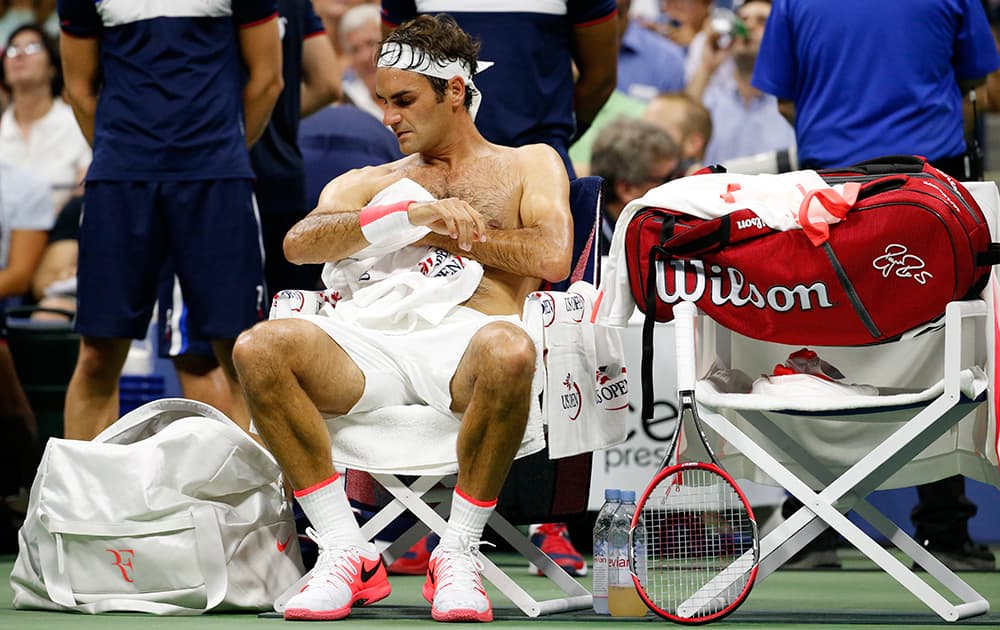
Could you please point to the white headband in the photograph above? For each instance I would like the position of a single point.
(406, 57)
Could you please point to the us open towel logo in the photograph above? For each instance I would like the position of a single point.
(571, 400)
(611, 392)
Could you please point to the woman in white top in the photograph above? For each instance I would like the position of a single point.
(38, 131)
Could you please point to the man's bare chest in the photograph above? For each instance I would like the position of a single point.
(489, 188)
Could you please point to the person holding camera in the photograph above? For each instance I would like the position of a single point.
(745, 121)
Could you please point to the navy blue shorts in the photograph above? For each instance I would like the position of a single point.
(209, 229)
(173, 329)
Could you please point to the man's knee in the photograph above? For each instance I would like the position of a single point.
(101, 359)
(264, 351)
(506, 352)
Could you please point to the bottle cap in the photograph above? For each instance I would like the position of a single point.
(628, 496)
(612, 494)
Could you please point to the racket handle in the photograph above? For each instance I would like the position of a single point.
(684, 315)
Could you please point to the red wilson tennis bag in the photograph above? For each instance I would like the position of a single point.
(912, 241)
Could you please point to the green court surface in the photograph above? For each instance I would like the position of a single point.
(859, 596)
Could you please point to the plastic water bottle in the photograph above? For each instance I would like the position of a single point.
(612, 499)
(623, 600)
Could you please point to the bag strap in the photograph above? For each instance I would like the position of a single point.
(835, 203)
(648, 323)
(990, 257)
(885, 165)
(211, 563)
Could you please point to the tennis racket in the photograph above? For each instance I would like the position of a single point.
(693, 545)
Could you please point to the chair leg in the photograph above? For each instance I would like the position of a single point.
(818, 508)
(413, 498)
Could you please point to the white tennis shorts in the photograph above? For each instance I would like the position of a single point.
(415, 368)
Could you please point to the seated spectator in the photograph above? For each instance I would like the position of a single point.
(38, 131)
(745, 121)
(360, 31)
(632, 156)
(687, 122)
(511, 225)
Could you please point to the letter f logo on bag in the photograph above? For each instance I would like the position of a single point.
(123, 560)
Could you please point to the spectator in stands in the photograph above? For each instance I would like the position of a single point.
(38, 130)
(632, 156)
(923, 56)
(360, 33)
(172, 99)
(688, 123)
(745, 121)
(648, 63)
(531, 93)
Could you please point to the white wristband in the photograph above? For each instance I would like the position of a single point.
(389, 225)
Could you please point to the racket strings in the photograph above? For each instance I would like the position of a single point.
(699, 544)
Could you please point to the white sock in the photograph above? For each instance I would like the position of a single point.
(467, 521)
(328, 510)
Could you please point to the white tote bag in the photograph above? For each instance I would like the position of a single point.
(586, 385)
(172, 510)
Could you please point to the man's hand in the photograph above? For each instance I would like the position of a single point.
(452, 217)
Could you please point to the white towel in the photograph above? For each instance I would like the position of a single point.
(396, 291)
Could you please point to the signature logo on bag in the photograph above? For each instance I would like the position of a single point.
(571, 400)
(611, 391)
(727, 285)
(123, 560)
(898, 261)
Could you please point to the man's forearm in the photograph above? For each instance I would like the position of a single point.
(259, 96)
(589, 97)
(85, 111)
(528, 252)
(322, 238)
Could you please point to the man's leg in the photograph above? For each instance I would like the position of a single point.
(492, 386)
(92, 395)
(290, 370)
(238, 411)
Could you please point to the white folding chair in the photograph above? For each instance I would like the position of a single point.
(831, 453)
(428, 496)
